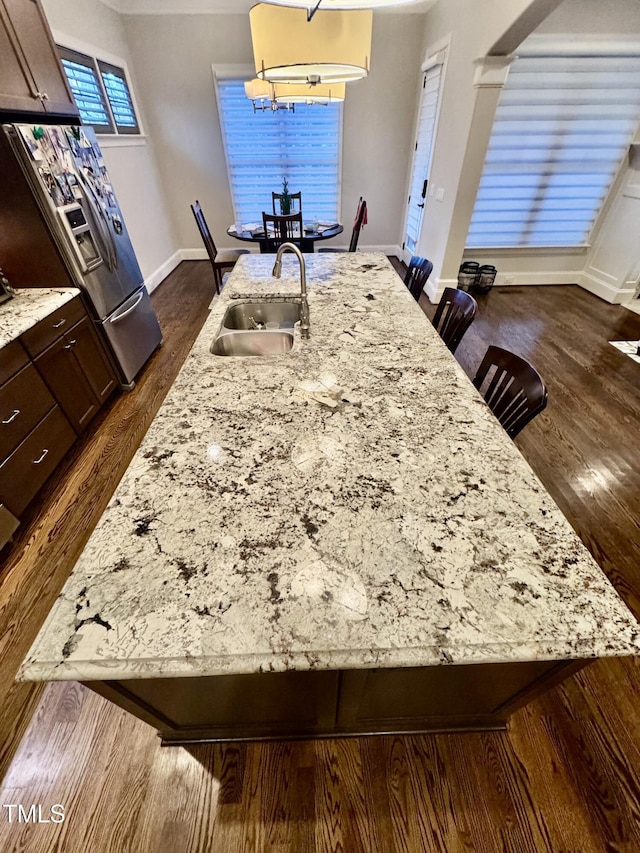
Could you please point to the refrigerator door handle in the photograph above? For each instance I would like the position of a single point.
(124, 314)
(103, 227)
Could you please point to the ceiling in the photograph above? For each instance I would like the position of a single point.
(220, 7)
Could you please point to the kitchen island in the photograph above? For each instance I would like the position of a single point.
(337, 539)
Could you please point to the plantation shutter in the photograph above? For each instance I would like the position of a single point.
(562, 128)
(117, 89)
(264, 147)
(87, 91)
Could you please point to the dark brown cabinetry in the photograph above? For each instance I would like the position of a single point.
(53, 380)
(31, 76)
(34, 434)
(78, 373)
(467, 697)
(31, 463)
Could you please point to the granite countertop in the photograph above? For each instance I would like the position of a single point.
(28, 306)
(350, 504)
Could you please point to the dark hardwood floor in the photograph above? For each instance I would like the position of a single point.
(564, 778)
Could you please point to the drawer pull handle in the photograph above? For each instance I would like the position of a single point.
(71, 344)
(60, 323)
(15, 414)
(38, 461)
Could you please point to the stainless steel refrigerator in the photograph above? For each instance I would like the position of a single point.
(60, 225)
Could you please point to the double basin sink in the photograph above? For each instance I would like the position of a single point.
(257, 328)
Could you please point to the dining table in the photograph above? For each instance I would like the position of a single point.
(312, 234)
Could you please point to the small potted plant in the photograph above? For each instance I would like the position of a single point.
(285, 198)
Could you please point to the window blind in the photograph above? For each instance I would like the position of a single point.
(264, 147)
(562, 128)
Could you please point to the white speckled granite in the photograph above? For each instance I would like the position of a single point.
(350, 504)
(28, 307)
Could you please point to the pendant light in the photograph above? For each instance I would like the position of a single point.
(332, 47)
(312, 6)
(322, 93)
(280, 95)
(263, 95)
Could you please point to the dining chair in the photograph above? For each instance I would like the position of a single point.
(359, 221)
(418, 272)
(515, 392)
(296, 203)
(280, 229)
(454, 315)
(219, 260)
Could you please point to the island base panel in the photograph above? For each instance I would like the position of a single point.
(332, 703)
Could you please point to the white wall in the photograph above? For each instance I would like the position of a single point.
(598, 268)
(172, 56)
(131, 162)
(593, 17)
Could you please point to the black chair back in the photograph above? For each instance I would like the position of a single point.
(454, 315)
(360, 220)
(207, 239)
(515, 392)
(220, 261)
(296, 203)
(418, 272)
(281, 229)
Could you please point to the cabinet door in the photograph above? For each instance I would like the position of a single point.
(18, 90)
(39, 50)
(92, 359)
(33, 461)
(69, 385)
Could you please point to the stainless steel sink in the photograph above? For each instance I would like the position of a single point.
(262, 315)
(263, 342)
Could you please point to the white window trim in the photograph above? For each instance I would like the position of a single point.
(247, 72)
(107, 140)
(228, 72)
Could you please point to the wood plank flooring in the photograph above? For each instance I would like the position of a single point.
(563, 779)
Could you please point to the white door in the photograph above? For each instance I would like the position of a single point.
(425, 134)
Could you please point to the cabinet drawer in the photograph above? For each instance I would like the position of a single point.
(24, 401)
(50, 329)
(31, 463)
(13, 357)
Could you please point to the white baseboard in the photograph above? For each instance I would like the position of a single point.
(193, 255)
(159, 275)
(605, 291)
(521, 279)
(435, 286)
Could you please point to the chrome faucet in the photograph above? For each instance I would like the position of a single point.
(304, 304)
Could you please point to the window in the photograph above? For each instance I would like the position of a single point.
(117, 89)
(101, 93)
(87, 91)
(264, 147)
(562, 128)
